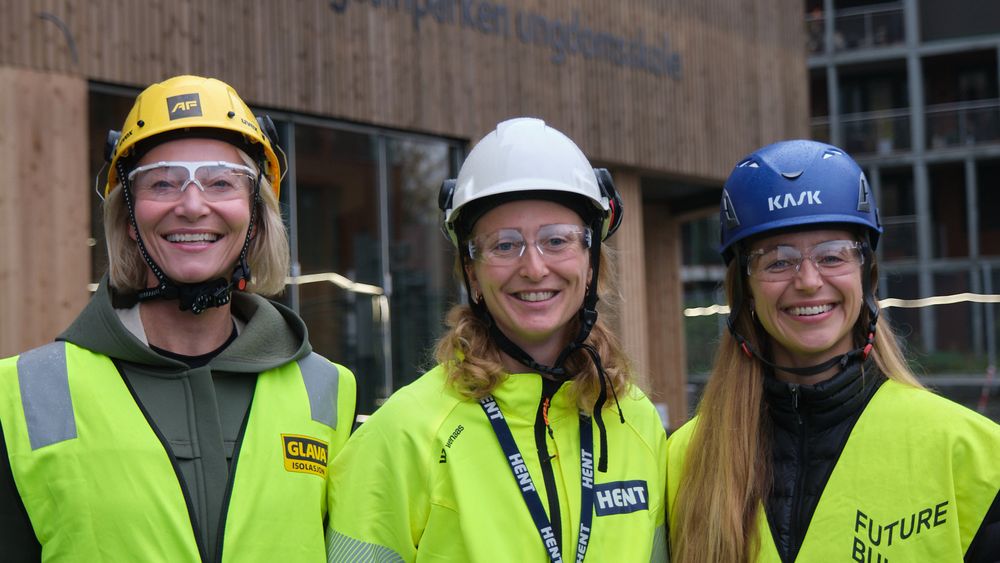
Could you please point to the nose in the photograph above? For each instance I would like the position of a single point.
(533, 265)
(192, 203)
(808, 277)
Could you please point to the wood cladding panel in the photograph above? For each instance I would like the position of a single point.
(742, 78)
(664, 303)
(43, 233)
(632, 259)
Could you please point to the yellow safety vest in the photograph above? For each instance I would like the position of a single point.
(99, 485)
(913, 483)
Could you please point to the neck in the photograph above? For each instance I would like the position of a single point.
(183, 332)
(786, 359)
(545, 353)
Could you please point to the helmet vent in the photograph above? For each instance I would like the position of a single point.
(748, 163)
(864, 199)
(830, 153)
(728, 212)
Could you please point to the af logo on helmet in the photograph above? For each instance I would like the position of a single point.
(304, 454)
(184, 105)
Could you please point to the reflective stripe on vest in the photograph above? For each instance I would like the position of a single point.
(99, 485)
(321, 379)
(44, 384)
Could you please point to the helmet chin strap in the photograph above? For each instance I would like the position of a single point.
(860, 353)
(195, 297)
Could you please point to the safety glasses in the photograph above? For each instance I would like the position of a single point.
(554, 243)
(166, 181)
(782, 263)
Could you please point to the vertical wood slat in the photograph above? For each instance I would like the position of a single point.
(43, 234)
(630, 242)
(665, 324)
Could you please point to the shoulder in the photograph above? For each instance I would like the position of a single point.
(641, 415)
(678, 440)
(925, 409)
(416, 410)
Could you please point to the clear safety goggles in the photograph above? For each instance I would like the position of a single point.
(554, 243)
(782, 263)
(166, 181)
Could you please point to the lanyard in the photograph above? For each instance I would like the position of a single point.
(527, 486)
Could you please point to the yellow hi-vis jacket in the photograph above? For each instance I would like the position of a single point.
(99, 485)
(914, 483)
(425, 479)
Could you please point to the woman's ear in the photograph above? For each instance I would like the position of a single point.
(131, 232)
(470, 274)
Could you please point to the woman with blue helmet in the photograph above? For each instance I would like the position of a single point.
(813, 440)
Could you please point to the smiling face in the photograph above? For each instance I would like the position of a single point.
(809, 317)
(193, 239)
(534, 298)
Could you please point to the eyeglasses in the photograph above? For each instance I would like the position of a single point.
(166, 181)
(554, 243)
(782, 263)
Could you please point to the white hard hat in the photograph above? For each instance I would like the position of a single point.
(524, 155)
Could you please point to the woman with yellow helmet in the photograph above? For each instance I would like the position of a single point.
(182, 416)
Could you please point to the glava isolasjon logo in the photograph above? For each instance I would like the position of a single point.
(184, 105)
(303, 454)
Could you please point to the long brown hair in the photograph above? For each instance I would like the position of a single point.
(727, 470)
(473, 359)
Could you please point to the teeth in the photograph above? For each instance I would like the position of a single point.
(807, 311)
(193, 237)
(535, 295)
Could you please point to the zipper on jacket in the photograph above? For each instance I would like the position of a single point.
(795, 542)
(228, 495)
(549, 389)
(794, 389)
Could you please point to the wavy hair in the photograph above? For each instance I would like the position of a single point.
(727, 470)
(474, 363)
(268, 254)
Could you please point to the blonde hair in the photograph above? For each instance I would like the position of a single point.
(727, 471)
(267, 255)
(473, 361)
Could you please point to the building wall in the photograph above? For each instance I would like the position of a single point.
(44, 206)
(734, 74)
(670, 90)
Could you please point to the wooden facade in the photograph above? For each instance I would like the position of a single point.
(674, 89)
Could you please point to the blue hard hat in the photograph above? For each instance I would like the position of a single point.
(795, 183)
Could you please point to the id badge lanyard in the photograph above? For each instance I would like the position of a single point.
(530, 493)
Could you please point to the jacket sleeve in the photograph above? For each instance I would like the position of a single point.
(379, 491)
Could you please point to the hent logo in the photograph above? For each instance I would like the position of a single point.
(303, 454)
(184, 105)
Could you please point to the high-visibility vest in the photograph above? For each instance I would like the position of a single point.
(99, 485)
(913, 483)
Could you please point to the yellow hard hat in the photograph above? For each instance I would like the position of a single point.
(183, 105)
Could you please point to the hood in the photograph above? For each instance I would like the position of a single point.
(274, 335)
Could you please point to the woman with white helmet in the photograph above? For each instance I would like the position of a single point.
(527, 442)
(182, 416)
(813, 440)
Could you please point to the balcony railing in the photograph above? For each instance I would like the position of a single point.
(880, 25)
(881, 132)
(963, 124)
